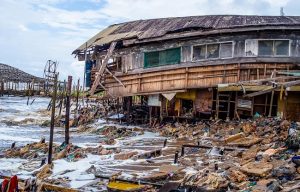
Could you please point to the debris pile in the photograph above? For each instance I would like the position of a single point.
(39, 150)
(258, 155)
(30, 151)
(119, 132)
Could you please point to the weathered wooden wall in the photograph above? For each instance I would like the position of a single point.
(189, 78)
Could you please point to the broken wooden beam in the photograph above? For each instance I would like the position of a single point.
(269, 79)
(291, 83)
(260, 92)
(102, 67)
(118, 80)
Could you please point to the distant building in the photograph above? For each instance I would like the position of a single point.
(221, 66)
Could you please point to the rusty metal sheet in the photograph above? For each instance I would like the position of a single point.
(146, 29)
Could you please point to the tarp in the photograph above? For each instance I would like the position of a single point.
(153, 100)
(169, 96)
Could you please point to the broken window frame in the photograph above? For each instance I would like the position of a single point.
(206, 53)
(273, 48)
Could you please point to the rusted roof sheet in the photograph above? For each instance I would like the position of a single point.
(152, 28)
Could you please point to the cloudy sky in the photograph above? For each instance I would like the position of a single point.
(33, 31)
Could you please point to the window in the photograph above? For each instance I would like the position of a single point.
(265, 48)
(273, 47)
(226, 50)
(281, 47)
(165, 57)
(199, 52)
(212, 51)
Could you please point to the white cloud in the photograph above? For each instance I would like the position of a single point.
(278, 3)
(22, 27)
(71, 20)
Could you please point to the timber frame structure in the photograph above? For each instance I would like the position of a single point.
(222, 66)
(16, 81)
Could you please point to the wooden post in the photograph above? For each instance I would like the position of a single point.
(217, 105)
(186, 77)
(182, 151)
(239, 72)
(150, 116)
(77, 93)
(271, 104)
(2, 88)
(62, 95)
(67, 120)
(176, 157)
(161, 109)
(165, 142)
(85, 59)
(285, 105)
(52, 120)
(228, 107)
(29, 90)
(236, 115)
(118, 111)
(33, 87)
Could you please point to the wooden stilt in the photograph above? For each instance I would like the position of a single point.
(150, 116)
(271, 104)
(77, 93)
(67, 123)
(52, 120)
(217, 106)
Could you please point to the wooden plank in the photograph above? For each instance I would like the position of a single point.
(291, 83)
(102, 67)
(271, 79)
(271, 104)
(260, 92)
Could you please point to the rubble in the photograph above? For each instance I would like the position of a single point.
(212, 155)
(265, 163)
(260, 169)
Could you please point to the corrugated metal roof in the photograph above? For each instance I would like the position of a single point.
(147, 29)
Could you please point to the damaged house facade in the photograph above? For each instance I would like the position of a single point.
(217, 66)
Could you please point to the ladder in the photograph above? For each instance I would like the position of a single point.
(223, 100)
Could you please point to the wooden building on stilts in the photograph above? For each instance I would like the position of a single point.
(217, 66)
(14, 81)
